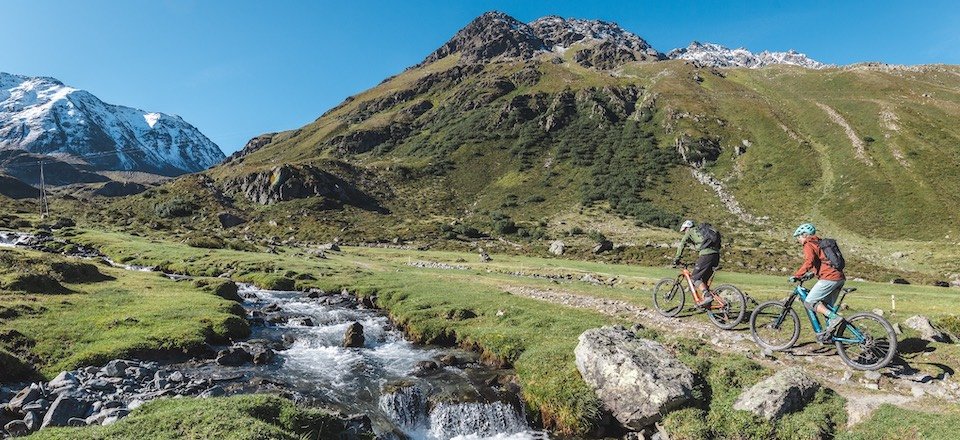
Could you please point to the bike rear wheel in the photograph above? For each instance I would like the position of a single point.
(733, 309)
(877, 344)
(774, 327)
(669, 296)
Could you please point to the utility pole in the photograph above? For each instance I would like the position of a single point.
(44, 208)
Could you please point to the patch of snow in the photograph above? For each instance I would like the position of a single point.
(151, 118)
(715, 55)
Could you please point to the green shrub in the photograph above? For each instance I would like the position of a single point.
(502, 223)
(175, 208)
(597, 236)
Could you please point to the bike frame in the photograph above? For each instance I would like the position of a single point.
(801, 292)
(685, 274)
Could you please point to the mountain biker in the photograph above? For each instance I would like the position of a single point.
(708, 260)
(830, 279)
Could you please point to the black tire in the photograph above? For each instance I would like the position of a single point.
(877, 351)
(764, 331)
(669, 296)
(734, 310)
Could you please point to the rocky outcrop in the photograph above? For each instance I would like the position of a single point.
(291, 182)
(787, 391)
(926, 328)
(637, 379)
(252, 145)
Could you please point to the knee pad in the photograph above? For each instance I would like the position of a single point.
(811, 306)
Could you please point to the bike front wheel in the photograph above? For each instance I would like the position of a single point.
(866, 341)
(728, 308)
(774, 326)
(668, 297)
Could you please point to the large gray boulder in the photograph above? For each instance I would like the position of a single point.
(557, 247)
(785, 392)
(637, 379)
(927, 331)
(62, 410)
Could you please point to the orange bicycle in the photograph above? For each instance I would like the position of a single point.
(727, 310)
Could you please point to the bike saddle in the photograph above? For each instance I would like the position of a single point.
(849, 289)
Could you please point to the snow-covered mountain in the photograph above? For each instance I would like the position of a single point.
(41, 115)
(720, 56)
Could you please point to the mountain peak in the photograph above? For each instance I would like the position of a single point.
(716, 55)
(498, 35)
(493, 34)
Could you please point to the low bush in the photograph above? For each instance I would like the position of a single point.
(175, 208)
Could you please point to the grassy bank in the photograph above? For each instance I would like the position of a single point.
(51, 320)
(251, 417)
(470, 307)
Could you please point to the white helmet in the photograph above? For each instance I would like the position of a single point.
(686, 225)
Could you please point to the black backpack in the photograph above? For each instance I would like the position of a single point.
(711, 238)
(830, 250)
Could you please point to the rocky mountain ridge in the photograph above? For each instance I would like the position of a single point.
(715, 55)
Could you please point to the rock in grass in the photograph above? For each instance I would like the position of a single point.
(228, 220)
(637, 379)
(62, 410)
(787, 391)
(927, 331)
(353, 338)
(557, 248)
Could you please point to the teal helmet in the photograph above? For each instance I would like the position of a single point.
(805, 228)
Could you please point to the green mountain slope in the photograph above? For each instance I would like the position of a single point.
(491, 134)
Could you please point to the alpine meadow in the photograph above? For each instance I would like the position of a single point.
(480, 247)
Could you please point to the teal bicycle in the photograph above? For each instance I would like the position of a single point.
(865, 341)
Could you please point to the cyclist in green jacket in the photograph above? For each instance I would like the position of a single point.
(706, 263)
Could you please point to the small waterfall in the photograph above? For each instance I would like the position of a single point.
(407, 407)
(475, 420)
(10, 239)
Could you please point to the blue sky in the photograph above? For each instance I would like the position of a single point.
(236, 69)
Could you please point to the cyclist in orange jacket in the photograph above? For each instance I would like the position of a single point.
(830, 279)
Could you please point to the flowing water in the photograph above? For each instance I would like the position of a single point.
(380, 379)
(11, 239)
(385, 379)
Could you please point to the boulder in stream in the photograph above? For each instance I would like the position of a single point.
(233, 356)
(354, 338)
(637, 379)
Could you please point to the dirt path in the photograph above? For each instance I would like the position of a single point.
(898, 385)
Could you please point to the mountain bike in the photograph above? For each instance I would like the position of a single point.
(727, 310)
(865, 341)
